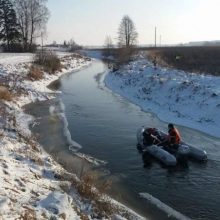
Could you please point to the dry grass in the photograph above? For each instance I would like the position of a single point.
(62, 216)
(29, 214)
(33, 156)
(13, 82)
(48, 60)
(86, 186)
(31, 141)
(124, 55)
(32, 150)
(5, 94)
(82, 215)
(193, 59)
(35, 73)
(66, 176)
(104, 208)
(35, 159)
(91, 188)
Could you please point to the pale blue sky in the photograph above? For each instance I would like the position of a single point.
(177, 21)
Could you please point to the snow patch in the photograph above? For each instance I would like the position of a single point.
(59, 204)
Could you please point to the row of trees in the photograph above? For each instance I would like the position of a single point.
(127, 39)
(22, 22)
(71, 45)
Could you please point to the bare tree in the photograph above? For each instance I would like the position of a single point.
(32, 17)
(108, 46)
(108, 42)
(127, 38)
(127, 34)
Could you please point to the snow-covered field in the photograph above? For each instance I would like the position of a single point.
(32, 185)
(15, 58)
(175, 96)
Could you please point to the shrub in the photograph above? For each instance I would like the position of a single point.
(124, 55)
(93, 189)
(5, 94)
(105, 207)
(49, 60)
(35, 73)
(87, 184)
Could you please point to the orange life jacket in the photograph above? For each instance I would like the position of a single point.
(174, 136)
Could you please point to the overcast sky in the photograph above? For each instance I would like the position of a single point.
(177, 21)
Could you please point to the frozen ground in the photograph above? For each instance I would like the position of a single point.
(32, 184)
(175, 96)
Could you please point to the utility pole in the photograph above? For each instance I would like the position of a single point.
(160, 40)
(155, 37)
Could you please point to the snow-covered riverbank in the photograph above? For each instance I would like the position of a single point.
(32, 184)
(183, 98)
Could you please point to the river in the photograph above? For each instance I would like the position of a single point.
(105, 125)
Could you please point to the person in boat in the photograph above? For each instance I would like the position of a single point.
(150, 136)
(173, 138)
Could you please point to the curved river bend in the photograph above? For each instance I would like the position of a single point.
(105, 125)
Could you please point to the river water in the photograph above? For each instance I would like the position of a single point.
(105, 125)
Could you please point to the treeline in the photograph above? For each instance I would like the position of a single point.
(21, 23)
(71, 45)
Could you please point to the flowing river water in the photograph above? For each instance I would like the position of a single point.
(104, 125)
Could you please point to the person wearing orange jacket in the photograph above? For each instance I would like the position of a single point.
(173, 138)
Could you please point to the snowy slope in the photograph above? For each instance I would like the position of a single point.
(29, 188)
(175, 96)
